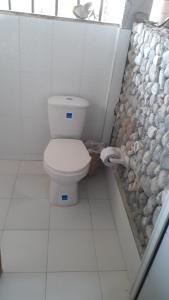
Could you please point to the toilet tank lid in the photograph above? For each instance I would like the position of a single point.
(68, 101)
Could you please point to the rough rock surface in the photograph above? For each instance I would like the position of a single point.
(142, 125)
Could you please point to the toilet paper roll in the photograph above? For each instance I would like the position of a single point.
(110, 156)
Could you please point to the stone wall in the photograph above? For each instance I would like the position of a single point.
(142, 125)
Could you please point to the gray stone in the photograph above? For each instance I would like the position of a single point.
(151, 118)
(153, 73)
(152, 145)
(165, 139)
(155, 88)
(142, 199)
(166, 100)
(166, 72)
(149, 230)
(131, 176)
(156, 60)
(165, 58)
(157, 153)
(151, 131)
(155, 107)
(167, 122)
(147, 157)
(159, 49)
(151, 167)
(153, 42)
(151, 55)
(163, 179)
(152, 99)
(161, 79)
(138, 59)
(145, 183)
(139, 28)
(157, 170)
(158, 199)
(155, 188)
(162, 112)
(166, 87)
(164, 161)
(146, 51)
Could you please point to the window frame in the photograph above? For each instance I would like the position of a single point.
(56, 8)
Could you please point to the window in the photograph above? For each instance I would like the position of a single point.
(109, 11)
(22, 6)
(156, 10)
(44, 7)
(4, 4)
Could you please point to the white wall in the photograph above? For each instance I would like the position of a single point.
(43, 57)
(127, 242)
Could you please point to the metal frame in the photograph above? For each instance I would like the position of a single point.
(9, 4)
(32, 7)
(152, 247)
(56, 7)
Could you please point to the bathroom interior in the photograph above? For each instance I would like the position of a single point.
(84, 149)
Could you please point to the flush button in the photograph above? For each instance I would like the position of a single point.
(69, 115)
(69, 98)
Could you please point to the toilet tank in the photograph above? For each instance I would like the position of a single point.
(67, 116)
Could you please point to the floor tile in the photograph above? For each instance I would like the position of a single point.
(83, 193)
(73, 286)
(31, 167)
(115, 285)
(1, 234)
(97, 187)
(24, 251)
(71, 251)
(102, 217)
(32, 186)
(6, 185)
(73, 217)
(22, 286)
(9, 166)
(108, 250)
(28, 214)
(4, 206)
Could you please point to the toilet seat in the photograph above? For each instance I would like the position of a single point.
(66, 156)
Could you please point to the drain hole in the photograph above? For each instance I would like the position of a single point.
(69, 98)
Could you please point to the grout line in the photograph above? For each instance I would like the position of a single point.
(46, 273)
(59, 271)
(11, 198)
(97, 263)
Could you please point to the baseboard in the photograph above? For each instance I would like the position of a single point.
(127, 241)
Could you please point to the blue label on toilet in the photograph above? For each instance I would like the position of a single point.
(69, 115)
(64, 197)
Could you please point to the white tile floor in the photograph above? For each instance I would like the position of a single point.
(53, 253)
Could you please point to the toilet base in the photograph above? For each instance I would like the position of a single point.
(63, 194)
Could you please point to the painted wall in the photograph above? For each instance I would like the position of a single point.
(43, 57)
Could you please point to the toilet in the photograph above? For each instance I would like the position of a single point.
(66, 159)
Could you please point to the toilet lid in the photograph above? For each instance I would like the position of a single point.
(66, 155)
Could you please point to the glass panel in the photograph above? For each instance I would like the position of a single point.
(21, 5)
(4, 4)
(96, 7)
(44, 7)
(113, 11)
(65, 8)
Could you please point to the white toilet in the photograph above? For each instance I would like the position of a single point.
(66, 159)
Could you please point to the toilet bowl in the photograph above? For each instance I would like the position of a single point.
(66, 161)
